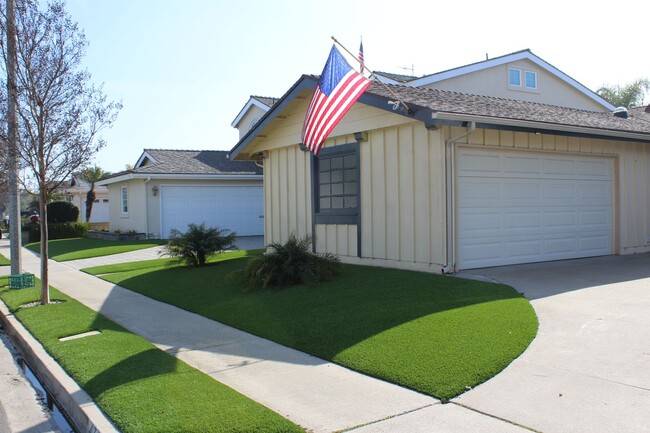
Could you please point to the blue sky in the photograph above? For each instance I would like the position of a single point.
(183, 70)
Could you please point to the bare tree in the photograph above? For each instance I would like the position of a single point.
(60, 112)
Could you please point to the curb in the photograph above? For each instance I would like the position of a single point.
(84, 413)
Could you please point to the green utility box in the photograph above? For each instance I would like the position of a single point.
(21, 281)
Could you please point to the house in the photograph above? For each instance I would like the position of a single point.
(504, 161)
(251, 113)
(75, 191)
(169, 189)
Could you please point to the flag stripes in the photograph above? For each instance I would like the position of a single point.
(325, 111)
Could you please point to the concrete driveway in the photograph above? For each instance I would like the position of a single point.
(588, 370)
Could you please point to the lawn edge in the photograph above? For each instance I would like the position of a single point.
(83, 411)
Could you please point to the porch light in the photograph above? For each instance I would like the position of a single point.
(154, 190)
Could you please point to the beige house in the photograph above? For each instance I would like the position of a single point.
(504, 161)
(75, 192)
(169, 189)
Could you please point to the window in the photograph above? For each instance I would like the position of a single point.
(530, 79)
(125, 200)
(105, 200)
(514, 77)
(336, 185)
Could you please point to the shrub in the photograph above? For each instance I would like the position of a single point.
(198, 244)
(62, 212)
(288, 264)
(57, 231)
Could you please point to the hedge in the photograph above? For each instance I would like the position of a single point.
(58, 231)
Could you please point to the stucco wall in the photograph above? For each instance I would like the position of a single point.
(135, 218)
(494, 82)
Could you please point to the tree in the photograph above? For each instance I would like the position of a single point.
(630, 95)
(60, 112)
(92, 175)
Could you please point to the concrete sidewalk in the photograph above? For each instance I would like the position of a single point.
(316, 394)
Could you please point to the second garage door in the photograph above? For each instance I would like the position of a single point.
(237, 208)
(520, 207)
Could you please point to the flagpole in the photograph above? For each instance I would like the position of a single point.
(408, 110)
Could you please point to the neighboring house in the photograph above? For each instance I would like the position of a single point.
(504, 161)
(169, 189)
(75, 191)
(252, 112)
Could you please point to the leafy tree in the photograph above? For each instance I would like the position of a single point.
(92, 175)
(62, 212)
(198, 244)
(630, 95)
(60, 112)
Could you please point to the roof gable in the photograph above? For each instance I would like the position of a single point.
(432, 79)
(261, 102)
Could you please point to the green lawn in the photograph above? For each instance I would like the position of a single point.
(4, 261)
(432, 333)
(141, 388)
(63, 250)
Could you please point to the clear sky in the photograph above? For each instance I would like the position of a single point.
(184, 69)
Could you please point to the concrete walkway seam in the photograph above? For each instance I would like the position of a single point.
(79, 406)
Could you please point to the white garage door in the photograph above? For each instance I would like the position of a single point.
(237, 208)
(520, 207)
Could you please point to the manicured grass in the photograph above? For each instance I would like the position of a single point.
(436, 334)
(4, 261)
(63, 250)
(141, 388)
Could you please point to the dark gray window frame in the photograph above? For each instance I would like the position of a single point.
(331, 216)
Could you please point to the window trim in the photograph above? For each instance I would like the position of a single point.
(339, 216)
(124, 200)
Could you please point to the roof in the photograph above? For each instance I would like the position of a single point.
(496, 61)
(489, 107)
(398, 78)
(187, 164)
(263, 102)
(434, 106)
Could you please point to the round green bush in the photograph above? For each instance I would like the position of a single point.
(62, 212)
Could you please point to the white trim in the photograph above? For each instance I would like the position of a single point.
(144, 155)
(252, 101)
(527, 55)
(130, 176)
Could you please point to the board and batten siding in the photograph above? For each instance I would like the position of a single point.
(631, 174)
(402, 193)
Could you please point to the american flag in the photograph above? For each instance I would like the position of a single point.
(337, 90)
(362, 66)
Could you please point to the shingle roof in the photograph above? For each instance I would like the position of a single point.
(400, 78)
(195, 162)
(488, 106)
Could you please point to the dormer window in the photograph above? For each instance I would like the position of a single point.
(530, 79)
(514, 77)
(522, 79)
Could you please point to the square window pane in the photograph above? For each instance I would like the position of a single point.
(337, 176)
(325, 203)
(350, 188)
(350, 202)
(350, 175)
(337, 189)
(325, 190)
(337, 202)
(531, 80)
(350, 161)
(514, 77)
(324, 177)
(324, 164)
(337, 162)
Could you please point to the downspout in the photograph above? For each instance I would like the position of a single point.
(146, 210)
(450, 161)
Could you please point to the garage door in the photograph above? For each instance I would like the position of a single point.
(238, 208)
(520, 207)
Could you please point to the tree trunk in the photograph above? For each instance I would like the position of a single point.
(45, 290)
(90, 199)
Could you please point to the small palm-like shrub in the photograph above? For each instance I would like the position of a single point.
(288, 264)
(198, 244)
